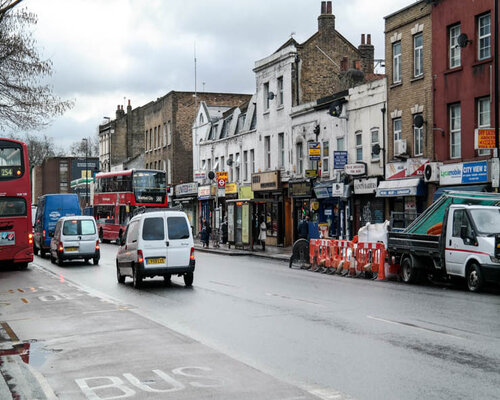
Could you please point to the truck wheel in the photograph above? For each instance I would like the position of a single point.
(474, 278)
(42, 253)
(409, 274)
(188, 279)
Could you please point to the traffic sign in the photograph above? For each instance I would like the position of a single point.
(222, 183)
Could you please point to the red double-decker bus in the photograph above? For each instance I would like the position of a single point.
(118, 194)
(16, 230)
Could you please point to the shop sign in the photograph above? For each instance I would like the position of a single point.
(186, 189)
(484, 139)
(204, 192)
(365, 186)
(314, 151)
(245, 223)
(245, 192)
(355, 169)
(323, 192)
(338, 190)
(395, 170)
(311, 173)
(339, 159)
(264, 181)
(472, 172)
(415, 167)
(221, 183)
(231, 188)
(299, 189)
(199, 176)
(222, 175)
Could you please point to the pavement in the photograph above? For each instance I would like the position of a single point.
(271, 252)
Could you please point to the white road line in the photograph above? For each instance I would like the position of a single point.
(294, 299)
(327, 393)
(407, 325)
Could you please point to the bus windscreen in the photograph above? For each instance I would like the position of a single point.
(11, 162)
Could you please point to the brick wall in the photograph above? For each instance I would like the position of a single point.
(403, 97)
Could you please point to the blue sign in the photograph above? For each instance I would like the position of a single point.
(339, 159)
(475, 172)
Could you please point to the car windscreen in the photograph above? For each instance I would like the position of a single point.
(153, 229)
(78, 227)
(487, 220)
(177, 228)
(12, 207)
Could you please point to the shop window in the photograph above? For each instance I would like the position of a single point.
(326, 156)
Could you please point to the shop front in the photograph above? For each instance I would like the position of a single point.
(268, 206)
(469, 176)
(206, 204)
(367, 207)
(304, 203)
(186, 197)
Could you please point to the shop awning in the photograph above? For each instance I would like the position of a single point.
(401, 187)
(466, 188)
(323, 190)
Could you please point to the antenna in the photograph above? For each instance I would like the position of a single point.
(195, 83)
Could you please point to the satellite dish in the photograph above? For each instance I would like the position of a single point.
(463, 40)
(418, 121)
(376, 149)
(229, 161)
(270, 95)
(211, 175)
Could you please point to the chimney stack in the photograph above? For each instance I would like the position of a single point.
(129, 107)
(326, 21)
(367, 53)
(323, 7)
(362, 38)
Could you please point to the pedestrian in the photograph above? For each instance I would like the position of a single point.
(304, 228)
(205, 233)
(224, 231)
(263, 234)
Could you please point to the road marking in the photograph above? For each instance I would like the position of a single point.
(293, 298)
(327, 393)
(224, 284)
(20, 290)
(410, 325)
(13, 337)
(24, 300)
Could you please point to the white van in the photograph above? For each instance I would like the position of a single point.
(75, 237)
(156, 243)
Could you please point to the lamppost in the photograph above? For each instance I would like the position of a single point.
(86, 172)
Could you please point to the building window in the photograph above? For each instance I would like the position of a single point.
(340, 144)
(266, 96)
(201, 119)
(150, 139)
(396, 62)
(280, 91)
(281, 150)
(252, 161)
(213, 132)
(418, 139)
(155, 143)
(209, 164)
(231, 168)
(483, 118)
(241, 123)
(418, 55)
(159, 136)
(164, 134)
(169, 174)
(300, 159)
(245, 165)
(169, 133)
(396, 124)
(455, 54)
(146, 139)
(455, 131)
(484, 35)
(359, 147)
(375, 140)
(222, 165)
(237, 167)
(267, 151)
(216, 164)
(326, 156)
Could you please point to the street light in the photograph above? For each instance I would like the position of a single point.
(86, 173)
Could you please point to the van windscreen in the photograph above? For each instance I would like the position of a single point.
(153, 229)
(177, 228)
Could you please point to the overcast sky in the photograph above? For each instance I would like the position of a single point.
(105, 52)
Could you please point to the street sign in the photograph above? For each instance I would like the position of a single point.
(339, 159)
(314, 151)
(311, 173)
(222, 175)
(222, 183)
(484, 139)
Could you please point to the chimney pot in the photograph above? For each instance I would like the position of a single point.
(323, 7)
(362, 38)
(128, 102)
(369, 39)
(328, 7)
(117, 107)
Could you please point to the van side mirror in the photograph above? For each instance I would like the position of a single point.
(51, 234)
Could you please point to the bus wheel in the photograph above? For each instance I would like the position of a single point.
(22, 266)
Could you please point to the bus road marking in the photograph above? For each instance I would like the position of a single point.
(20, 290)
(24, 300)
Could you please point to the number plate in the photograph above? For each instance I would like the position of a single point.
(71, 249)
(157, 260)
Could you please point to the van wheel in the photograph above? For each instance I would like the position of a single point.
(475, 279)
(35, 249)
(59, 261)
(22, 266)
(52, 258)
(137, 278)
(42, 253)
(188, 279)
(409, 274)
(95, 260)
(119, 277)
(167, 279)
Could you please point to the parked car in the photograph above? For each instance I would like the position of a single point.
(75, 238)
(156, 243)
(51, 207)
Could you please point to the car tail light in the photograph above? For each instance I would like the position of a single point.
(140, 257)
(30, 238)
(97, 247)
(61, 247)
(191, 257)
(44, 233)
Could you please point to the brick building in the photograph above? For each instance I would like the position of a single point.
(463, 68)
(410, 144)
(167, 130)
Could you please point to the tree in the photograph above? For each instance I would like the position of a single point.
(26, 101)
(40, 147)
(80, 149)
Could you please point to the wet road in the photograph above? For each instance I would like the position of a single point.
(370, 340)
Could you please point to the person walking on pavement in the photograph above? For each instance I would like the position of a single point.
(205, 233)
(262, 233)
(224, 231)
(304, 228)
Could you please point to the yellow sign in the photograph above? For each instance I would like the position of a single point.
(222, 175)
(245, 192)
(231, 188)
(86, 173)
(484, 139)
(311, 173)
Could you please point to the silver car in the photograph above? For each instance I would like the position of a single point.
(74, 238)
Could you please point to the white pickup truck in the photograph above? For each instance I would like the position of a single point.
(466, 245)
